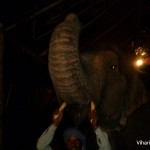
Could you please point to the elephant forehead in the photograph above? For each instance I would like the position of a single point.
(99, 57)
(109, 56)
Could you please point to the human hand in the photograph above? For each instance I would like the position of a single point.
(57, 117)
(58, 114)
(93, 116)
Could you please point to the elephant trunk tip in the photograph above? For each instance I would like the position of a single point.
(71, 17)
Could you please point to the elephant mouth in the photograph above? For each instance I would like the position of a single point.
(78, 113)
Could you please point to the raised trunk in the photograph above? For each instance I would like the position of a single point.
(64, 64)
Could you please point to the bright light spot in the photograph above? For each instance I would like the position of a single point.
(143, 53)
(139, 62)
(140, 51)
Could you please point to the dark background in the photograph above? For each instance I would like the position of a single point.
(29, 97)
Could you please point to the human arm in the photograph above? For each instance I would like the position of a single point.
(46, 138)
(102, 139)
(101, 136)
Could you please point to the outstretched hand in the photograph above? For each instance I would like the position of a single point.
(58, 114)
(57, 117)
(93, 118)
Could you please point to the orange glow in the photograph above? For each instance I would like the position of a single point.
(139, 62)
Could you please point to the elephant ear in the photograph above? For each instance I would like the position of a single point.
(136, 94)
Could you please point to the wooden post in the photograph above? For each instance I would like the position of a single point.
(1, 82)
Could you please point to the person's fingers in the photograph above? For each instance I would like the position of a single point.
(57, 118)
(60, 115)
(93, 116)
(56, 115)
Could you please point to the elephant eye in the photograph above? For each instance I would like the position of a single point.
(114, 67)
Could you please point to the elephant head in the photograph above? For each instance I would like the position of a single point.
(99, 74)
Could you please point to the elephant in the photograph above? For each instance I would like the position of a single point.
(102, 74)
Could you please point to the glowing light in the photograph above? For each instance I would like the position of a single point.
(143, 53)
(139, 62)
(140, 51)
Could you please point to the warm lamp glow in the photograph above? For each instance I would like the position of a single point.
(139, 62)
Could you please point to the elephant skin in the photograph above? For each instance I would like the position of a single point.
(101, 74)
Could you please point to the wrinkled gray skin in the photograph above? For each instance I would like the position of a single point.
(101, 75)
